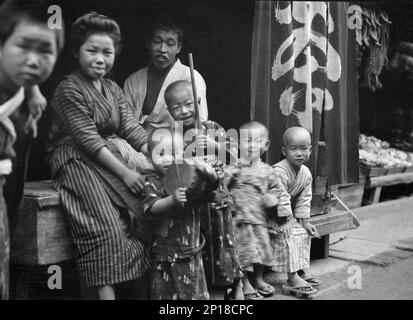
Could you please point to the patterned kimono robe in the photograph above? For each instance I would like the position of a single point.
(7, 137)
(292, 249)
(178, 271)
(222, 266)
(135, 91)
(248, 183)
(102, 212)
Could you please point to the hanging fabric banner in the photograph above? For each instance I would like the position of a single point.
(304, 73)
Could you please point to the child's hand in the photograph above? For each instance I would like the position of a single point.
(36, 103)
(270, 200)
(179, 196)
(311, 229)
(205, 142)
(285, 228)
(206, 170)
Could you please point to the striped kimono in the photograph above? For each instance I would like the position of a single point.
(291, 250)
(101, 210)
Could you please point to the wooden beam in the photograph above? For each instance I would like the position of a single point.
(389, 180)
(334, 221)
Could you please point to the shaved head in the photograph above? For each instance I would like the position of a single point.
(174, 88)
(255, 126)
(296, 133)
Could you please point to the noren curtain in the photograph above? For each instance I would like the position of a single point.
(304, 73)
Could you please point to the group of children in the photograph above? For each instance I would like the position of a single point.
(235, 219)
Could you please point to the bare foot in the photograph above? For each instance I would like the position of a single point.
(294, 280)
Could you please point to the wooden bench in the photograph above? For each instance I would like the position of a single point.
(375, 184)
(41, 238)
(42, 235)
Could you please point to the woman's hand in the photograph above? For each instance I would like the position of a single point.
(134, 181)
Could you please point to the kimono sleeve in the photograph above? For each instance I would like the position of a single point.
(130, 128)
(71, 111)
(128, 91)
(302, 207)
(284, 199)
(231, 173)
(150, 196)
(274, 185)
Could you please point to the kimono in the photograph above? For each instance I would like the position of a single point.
(104, 216)
(248, 183)
(291, 250)
(178, 271)
(7, 138)
(222, 266)
(135, 91)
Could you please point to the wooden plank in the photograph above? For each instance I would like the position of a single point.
(334, 221)
(43, 192)
(398, 178)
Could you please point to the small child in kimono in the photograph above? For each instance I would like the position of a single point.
(222, 266)
(291, 231)
(177, 271)
(254, 190)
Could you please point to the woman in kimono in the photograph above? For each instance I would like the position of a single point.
(98, 188)
(28, 53)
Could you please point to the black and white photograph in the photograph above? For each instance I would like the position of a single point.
(224, 151)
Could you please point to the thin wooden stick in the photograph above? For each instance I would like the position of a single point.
(198, 124)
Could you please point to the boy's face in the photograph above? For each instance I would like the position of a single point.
(253, 143)
(29, 54)
(181, 106)
(97, 55)
(298, 150)
(163, 48)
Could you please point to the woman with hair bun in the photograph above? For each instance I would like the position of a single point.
(98, 186)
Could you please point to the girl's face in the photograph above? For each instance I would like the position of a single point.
(28, 55)
(97, 56)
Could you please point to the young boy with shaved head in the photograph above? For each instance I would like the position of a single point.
(291, 230)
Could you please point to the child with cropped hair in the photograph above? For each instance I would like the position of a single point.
(290, 230)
